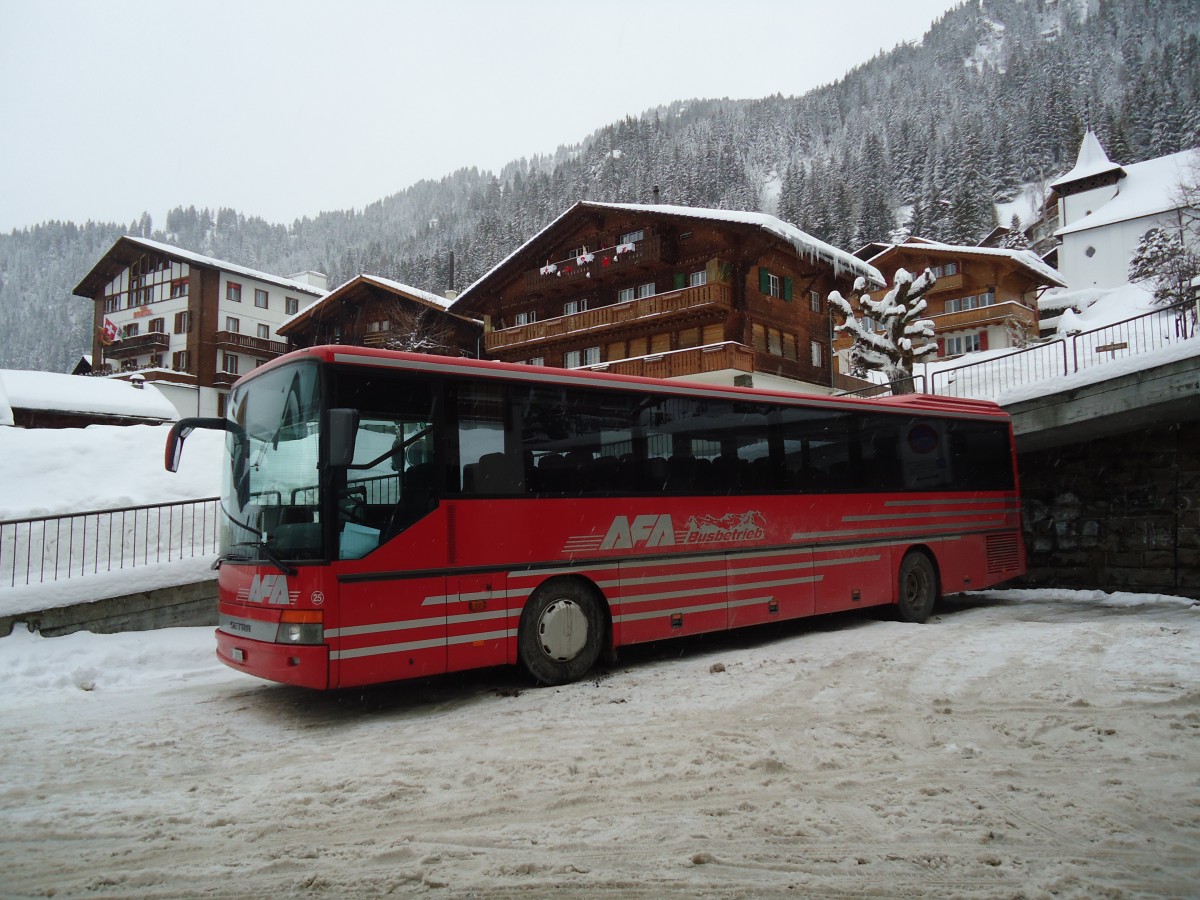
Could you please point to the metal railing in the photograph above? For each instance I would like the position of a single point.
(48, 548)
(1067, 355)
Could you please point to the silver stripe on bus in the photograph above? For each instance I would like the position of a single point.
(381, 627)
(892, 517)
(636, 617)
(417, 645)
(675, 595)
(911, 529)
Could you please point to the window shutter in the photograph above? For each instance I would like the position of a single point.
(764, 280)
(787, 289)
(983, 340)
(941, 347)
(680, 281)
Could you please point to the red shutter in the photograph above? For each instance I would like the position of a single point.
(941, 347)
(983, 340)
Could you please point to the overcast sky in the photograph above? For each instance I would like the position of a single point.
(285, 108)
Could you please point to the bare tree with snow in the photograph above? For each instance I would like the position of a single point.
(418, 330)
(889, 334)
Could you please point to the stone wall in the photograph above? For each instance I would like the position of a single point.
(1120, 513)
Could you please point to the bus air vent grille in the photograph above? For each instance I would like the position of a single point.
(1003, 553)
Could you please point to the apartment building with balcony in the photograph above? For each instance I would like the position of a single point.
(370, 311)
(189, 324)
(985, 297)
(667, 291)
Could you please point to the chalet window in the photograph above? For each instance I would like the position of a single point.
(259, 362)
(574, 306)
(954, 305)
(260, 298)
(525, 318)
(817, 356)
(645, 290)
(291, 305)
(625, 295)
(760, 338)
(157, 326)
(376, 327)
(130, 330)
(571, 359)
(129, 365)
(233, 292)
(179, 361)
(697, 279)
(537, 361)
(232, 325)
(264, 331)
(179, 287)
(956, 346)
(987, 298)
(773, 285)
(156, 360)
(945, 269)
(112, 304)
(615, 350)
(631, 237)
(637, 346)
(774, 342)
(591, 356)
(789, 347)
(230, 364)
(814, 301)
(183, 322)
(660, 343)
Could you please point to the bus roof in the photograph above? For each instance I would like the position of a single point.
(929, 404)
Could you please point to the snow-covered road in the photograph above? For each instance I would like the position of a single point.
(1021, 743)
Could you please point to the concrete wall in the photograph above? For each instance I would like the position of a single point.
(1118, 513)
(189, 604)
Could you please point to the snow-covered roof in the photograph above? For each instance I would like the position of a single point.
(1092, 161)
(52, 392)
(805, 244)
(1148, 188)
(212, 263)
(396, 287)
(1026, 258)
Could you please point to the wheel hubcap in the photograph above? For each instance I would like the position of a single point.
(562, 630)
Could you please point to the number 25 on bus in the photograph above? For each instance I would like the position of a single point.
(390, 515)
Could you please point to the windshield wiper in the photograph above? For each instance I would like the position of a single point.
(261, 544)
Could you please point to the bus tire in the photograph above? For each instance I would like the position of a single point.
(561, 633)
(918, 588)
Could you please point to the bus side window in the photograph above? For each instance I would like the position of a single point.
(489, 461)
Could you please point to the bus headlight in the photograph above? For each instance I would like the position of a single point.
(300, 627)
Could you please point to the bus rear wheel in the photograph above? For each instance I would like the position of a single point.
(918, 588)
(561, 632)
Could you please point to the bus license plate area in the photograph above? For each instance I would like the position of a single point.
(237, 654)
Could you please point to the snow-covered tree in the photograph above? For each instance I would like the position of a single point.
(889, 334)
(1162, 259)
(1016, 240)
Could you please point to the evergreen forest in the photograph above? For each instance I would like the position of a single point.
(926, 139)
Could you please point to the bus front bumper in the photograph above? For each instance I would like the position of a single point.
(298, 664)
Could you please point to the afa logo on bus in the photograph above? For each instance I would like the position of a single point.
(659, 530)
(269, 589)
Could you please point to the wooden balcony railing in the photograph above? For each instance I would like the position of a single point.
(224, 379)
(154, 342)
(675, 363)
(947, 283)
(1009, 310)
(260, 347)
(556, 275)
(656, 308)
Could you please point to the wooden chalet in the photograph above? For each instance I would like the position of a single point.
(985, 297)
(370, 311)
(670, 292)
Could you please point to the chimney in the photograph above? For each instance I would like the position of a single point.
(451, 285)
(654, 195)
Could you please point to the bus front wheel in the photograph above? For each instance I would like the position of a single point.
(918, 588)
(561, 632)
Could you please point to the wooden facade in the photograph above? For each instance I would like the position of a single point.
(376, 312)
(984, 299)
(666, 291)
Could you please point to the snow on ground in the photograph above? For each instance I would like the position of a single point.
(1022, 743)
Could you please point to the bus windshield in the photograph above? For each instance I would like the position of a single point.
(270, 492)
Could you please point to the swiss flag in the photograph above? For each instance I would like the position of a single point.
(110, 331)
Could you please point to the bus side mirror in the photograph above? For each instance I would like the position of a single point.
(343, 429)
(179, 432)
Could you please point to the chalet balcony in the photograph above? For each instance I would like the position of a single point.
(224, 379)
(995, 314)
(676, 363)
(565, 273)
(947, 283)
(660, 307)
(255, 346)
(154, 342)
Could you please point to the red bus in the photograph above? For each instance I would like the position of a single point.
(392, 515)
